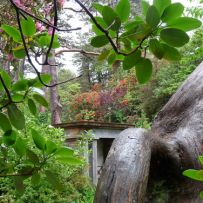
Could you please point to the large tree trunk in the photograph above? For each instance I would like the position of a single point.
(139, 162)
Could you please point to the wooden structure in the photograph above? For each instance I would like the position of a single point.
(103, 136)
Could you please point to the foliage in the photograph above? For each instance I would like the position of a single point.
(77, 186)
(161, 29)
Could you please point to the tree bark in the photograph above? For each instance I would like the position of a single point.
(134, 167)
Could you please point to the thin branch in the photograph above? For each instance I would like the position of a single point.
(78, 51)
(100, 27)
(6, 89)
(74, 10)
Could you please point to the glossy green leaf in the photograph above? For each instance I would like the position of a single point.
(5, 124)
(44, 41)
(46, 78)
(16, 117)
(170, 53)
(131, 60)
(153, 17)
(12, 32)
(32, 157)
(20, 85)
(172, 12)
(53, 180)
(143, 70)
(6, 79)
(111, 58)
(133, 24)
(28, 27)
(35, 179)
(161, 5)
(20, 54)
(111, 18)
(32, 106)
(185, 23)
(17, 97)
(174, 37)
(123, 10)
(41, 100)
(50, 147)
(99, 41)
(104, 54)
(145, 6)
(194, 174)
(9, 137)
(156, 48)
(38, 140)
(98, 7)
(69, 160)
(64, 151)
(20, 147)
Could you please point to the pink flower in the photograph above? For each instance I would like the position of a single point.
(1, 30)
(10, 57)
(50, 31)
(17, 3)
(61, 3)
(40, 27)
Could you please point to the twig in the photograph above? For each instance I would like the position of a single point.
(78, 51)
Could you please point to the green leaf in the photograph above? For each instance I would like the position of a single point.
(145, 6)
(69, 160)
(143, 70)
(16, 117)
(98, 7)
(194, 174)
(111, 58)
(201, 159)
(38, 140)
(41, 100)
(174, 37)
(172, 12)
(20, 54)
(46, 78)
(53, 180)
(32, 106)
(131, 60)
(19, 184)
(170, 53)
(20, 85)
(32, 157)
(123, 10)
(103, 55)
(5, 124)
(35, 179)
(28, 27)
(6, 79)
(64, 151)
(185, 23)
(9, 137)
(99, 41)
(161, 5)
(50, 147)
(12, 32)
(156, 48)
(44, 41)
(17, 97)
(153, 17)
(133, 24)
(111, 18)
(20, 147)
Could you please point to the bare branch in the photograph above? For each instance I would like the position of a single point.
(77, 51)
